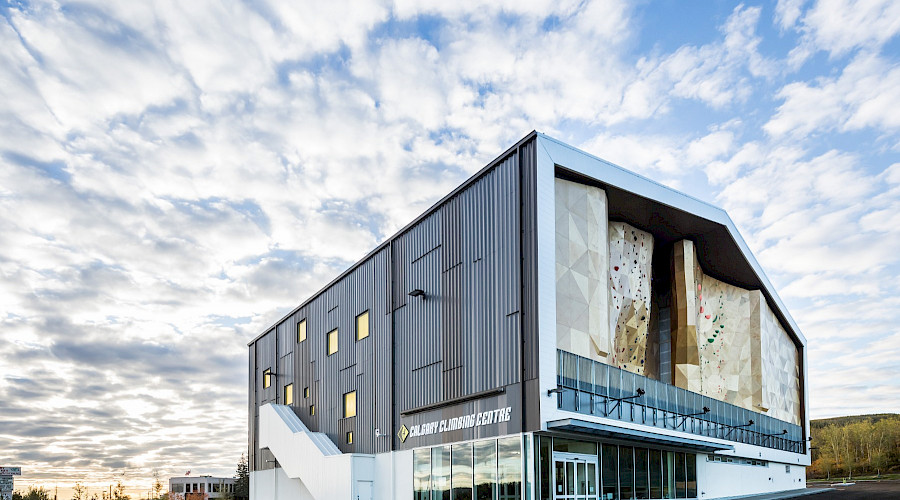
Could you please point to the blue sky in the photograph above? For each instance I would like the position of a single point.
(174, 176)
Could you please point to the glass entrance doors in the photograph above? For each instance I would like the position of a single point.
(575, 476)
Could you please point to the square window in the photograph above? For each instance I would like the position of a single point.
(289, 394)
(332, 342)
(306, 392)
(312, 410)
(267, 378)
(362, 326)
(350, 404)
(301, 331)
(350, 437)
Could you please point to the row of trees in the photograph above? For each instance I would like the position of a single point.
(80, 492)
(849, 446)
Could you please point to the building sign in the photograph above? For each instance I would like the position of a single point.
(454, 424)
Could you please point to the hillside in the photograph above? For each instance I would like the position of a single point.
(855, 444)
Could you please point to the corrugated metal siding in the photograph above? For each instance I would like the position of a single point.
(528, 188)
(464, 337)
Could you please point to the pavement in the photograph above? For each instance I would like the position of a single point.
(861, 490)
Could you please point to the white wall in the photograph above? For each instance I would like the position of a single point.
(274, 484)
(394, 475)
(721, 480)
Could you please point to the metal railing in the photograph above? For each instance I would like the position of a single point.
(595, 388)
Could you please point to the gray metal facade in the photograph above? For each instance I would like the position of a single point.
(474, 333)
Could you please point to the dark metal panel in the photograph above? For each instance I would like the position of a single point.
(528, 217)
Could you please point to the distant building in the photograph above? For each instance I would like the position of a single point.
(215, 487)
(556, 328)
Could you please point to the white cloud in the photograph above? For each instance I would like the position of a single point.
(863, 96)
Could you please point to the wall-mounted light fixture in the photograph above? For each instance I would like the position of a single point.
(558, 390)
(418, 292)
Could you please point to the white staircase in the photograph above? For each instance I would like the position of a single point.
(311, 457)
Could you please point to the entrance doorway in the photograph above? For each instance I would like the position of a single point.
(575, 476)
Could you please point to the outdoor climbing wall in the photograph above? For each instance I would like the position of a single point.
(686, 278)
(723, 331)
(582, 307)
(630, 261)
(780, 369)
(729, 345)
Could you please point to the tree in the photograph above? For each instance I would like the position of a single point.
(32, 494)
(79, 492)
(157, 484)
(242, 479)
(118, 493)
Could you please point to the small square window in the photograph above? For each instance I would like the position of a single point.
(362, 326)
(350, 437)
(289, 394)
(312, 410)
(267, 378)
(301, 331)
(332, 342)
(350, 404)
(306, 392)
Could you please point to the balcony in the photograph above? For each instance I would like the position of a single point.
(593, 388)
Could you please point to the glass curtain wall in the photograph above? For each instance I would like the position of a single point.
(490, 469)
(625, 472)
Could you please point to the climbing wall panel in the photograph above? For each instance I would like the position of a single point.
(630, 261)
(582, 324)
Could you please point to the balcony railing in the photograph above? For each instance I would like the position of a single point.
(595, 388)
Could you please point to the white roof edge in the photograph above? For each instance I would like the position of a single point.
(575, 159)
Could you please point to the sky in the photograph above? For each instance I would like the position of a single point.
(175, 176)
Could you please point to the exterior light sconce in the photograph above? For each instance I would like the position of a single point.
(558, 390)
(748, 424)
(379, 434)
(639, 392)
(783, 432)
(685, 417)
(418, 292)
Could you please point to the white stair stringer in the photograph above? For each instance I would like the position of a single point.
(311, 457)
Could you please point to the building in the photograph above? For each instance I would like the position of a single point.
(203, 486)
(555, 328)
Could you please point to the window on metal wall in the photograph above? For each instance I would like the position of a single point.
(362, 326)
(486, 469)
(350, 404)
(350, 437)
(440, 473)
(289, 394)
(509, 467)
(312, 410)
(610, 471)
(422, 474)
(461, 471)
(301, 331)
(332, 342)
(306, 392)
(267, 378)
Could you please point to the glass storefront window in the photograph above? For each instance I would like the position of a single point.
(609, 466)
(626, 472)
(422, 474)
(486, 470)
(641, 474)
(440, 473)
(680, 486)
(544, 461)
(691, 466)
(668, 474)
(656, 490)
(461, 467)
(509, 467)
(573, 446)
